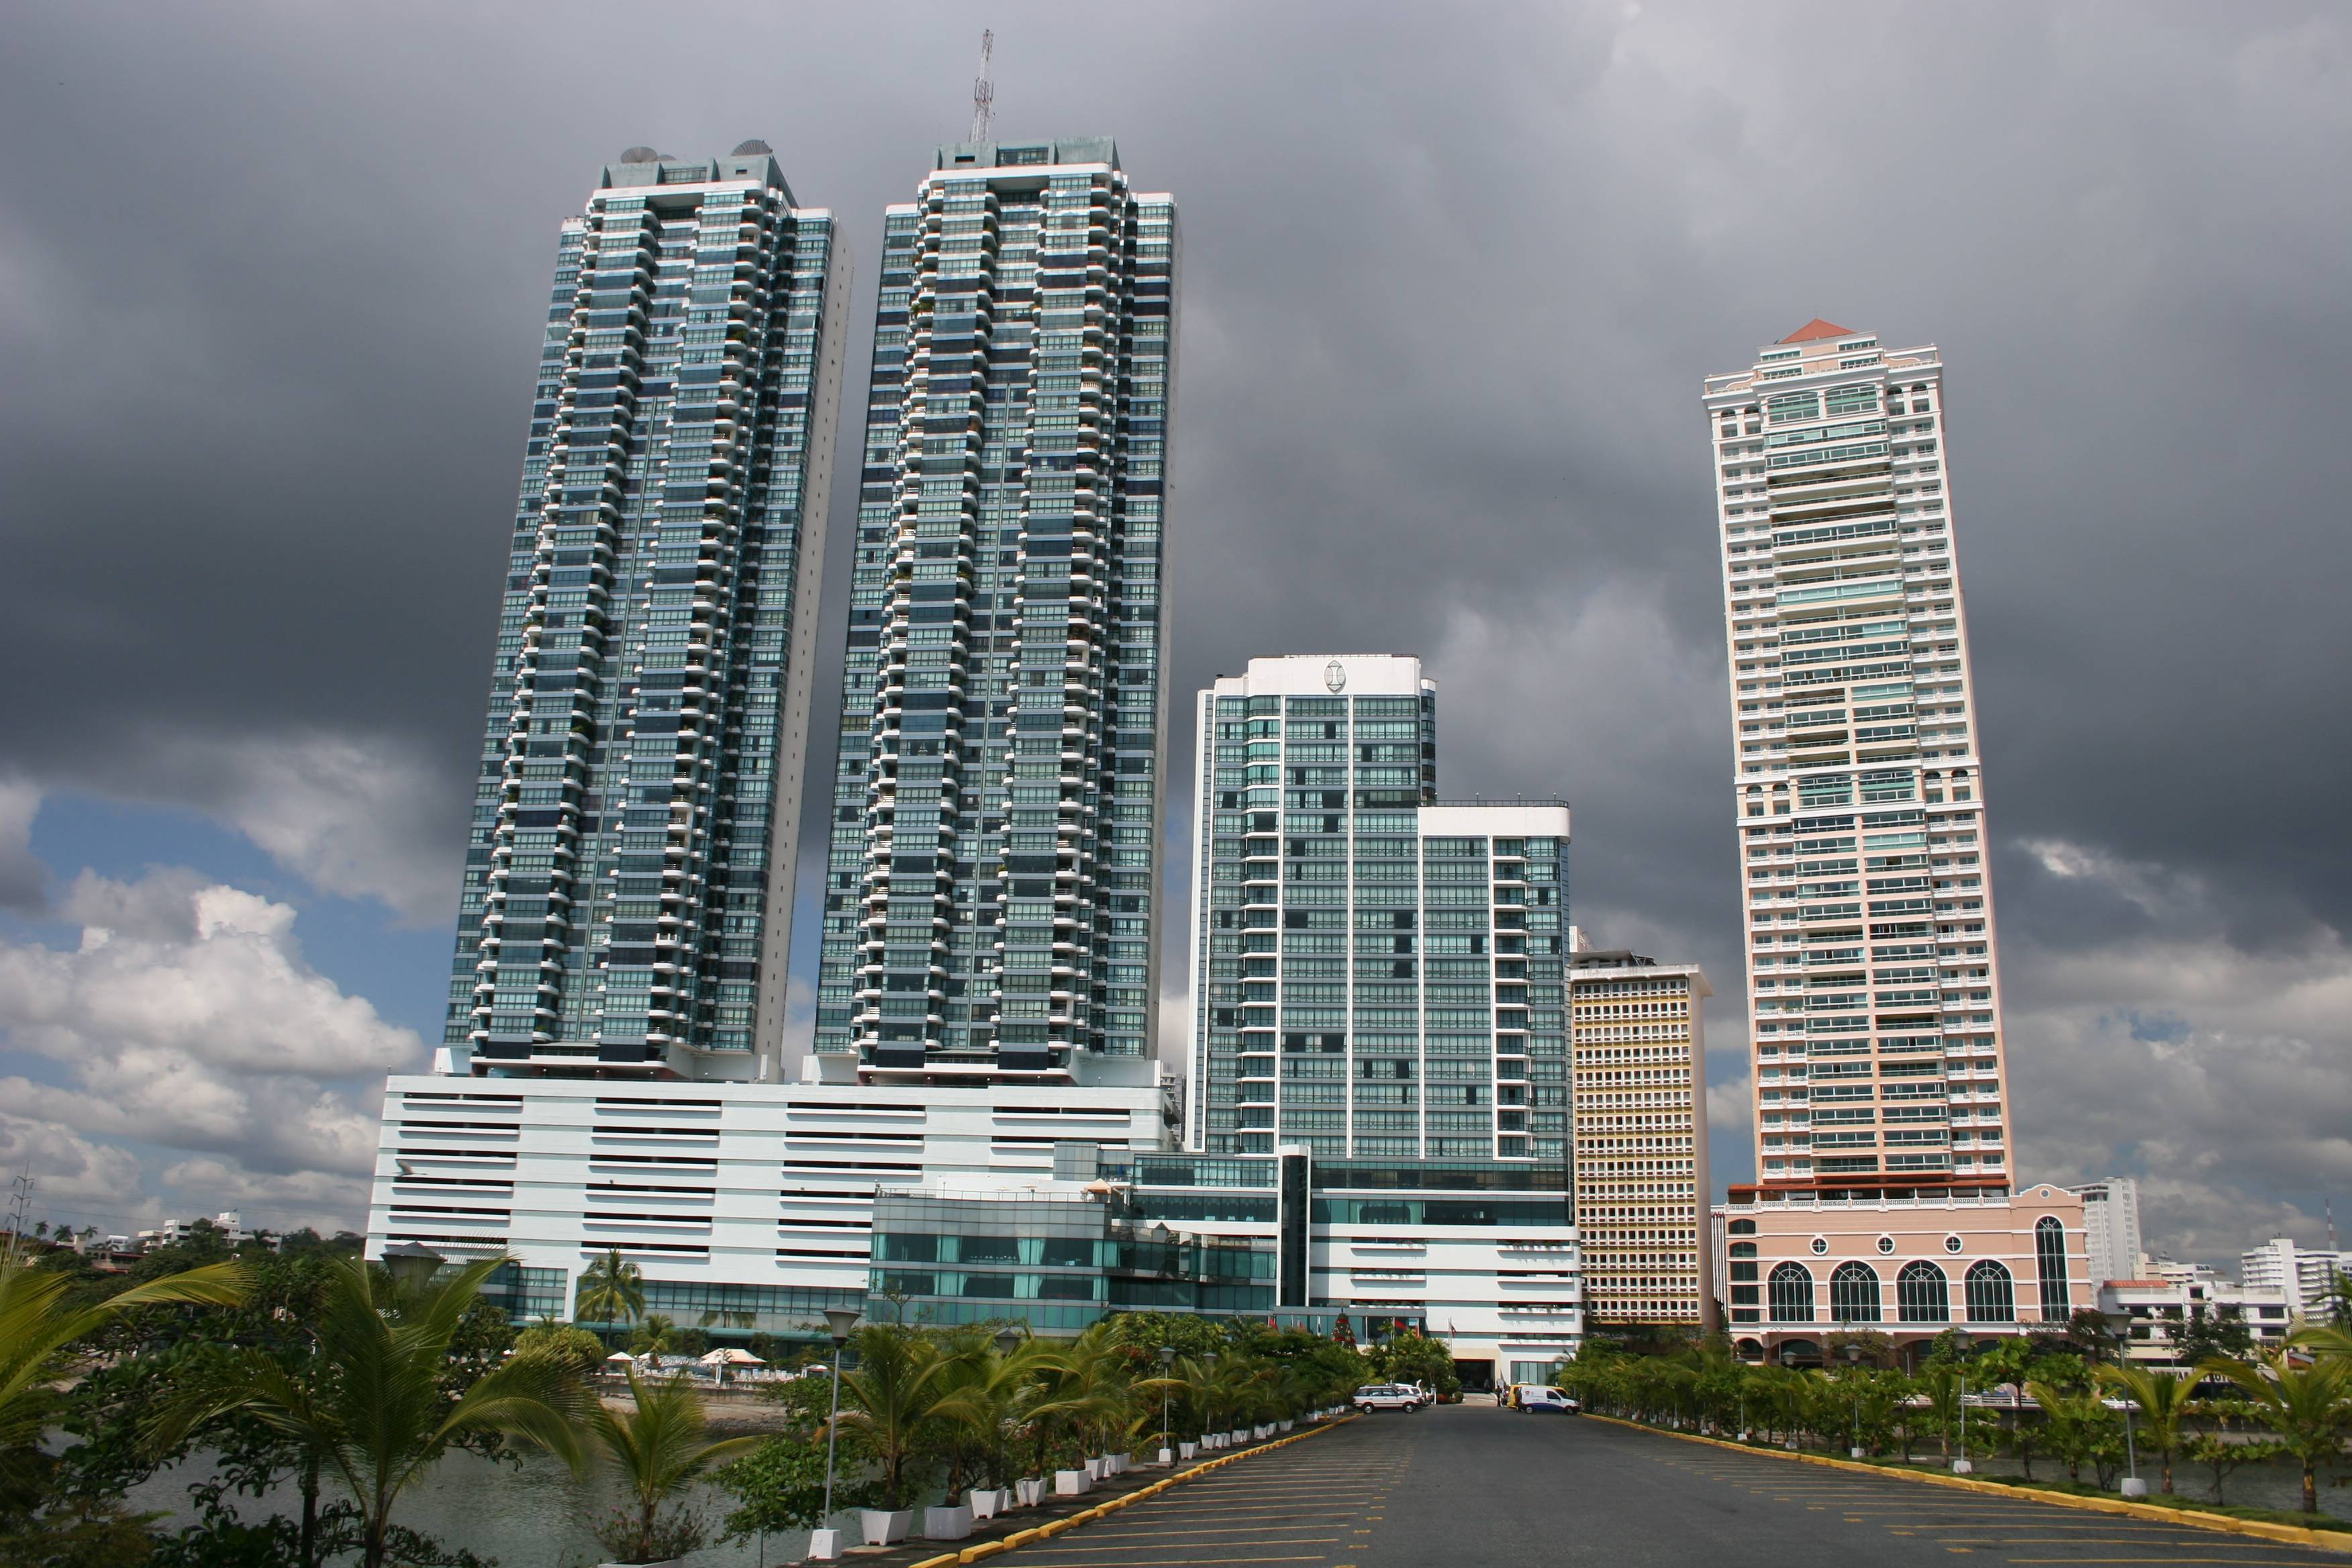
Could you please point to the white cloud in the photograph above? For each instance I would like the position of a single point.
(359, 818)
(24, 880)
(191, 1021)
(2223, 1078)
(77, 1181)
(323, 1202)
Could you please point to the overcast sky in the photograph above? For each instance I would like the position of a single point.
(272, 281)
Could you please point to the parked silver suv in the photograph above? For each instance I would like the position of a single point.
(1387, 1396)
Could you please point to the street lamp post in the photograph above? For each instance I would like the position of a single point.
(1167, 1362)
(1788, 1360)
(2132, 1484)
(1961, 1344)
(1852, 1353)
(825, 1543)
(1209, 1360)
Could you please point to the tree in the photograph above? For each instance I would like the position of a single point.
(1415, 1358)
(890, 1398)
(2305, 1407)
(660, 1449)
(1939, 1383)
(655, 1337)
(2220, 1453)
(779, 1485)
(2080, 1428)
(2163, 1401)
(562, 1342)
(2091, 1336)
(2203, 1338)
(612, 1290)
(389, 1406)
(39, 1329)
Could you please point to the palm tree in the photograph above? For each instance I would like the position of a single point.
(612, 1290)
(382, 1416)
(2163, 1401)
(2306, 1408)
(36, 1332)
(660, 1451)
(655, 1336)
(899, 1384)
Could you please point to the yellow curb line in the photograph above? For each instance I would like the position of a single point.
(988, 1549)
(2289, 1534)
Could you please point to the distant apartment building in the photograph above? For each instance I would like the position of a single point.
(2150, 1314)
(1639, 1085)
(2111, 1223)
(2301, 1276)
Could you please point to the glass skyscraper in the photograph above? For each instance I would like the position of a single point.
(989, 896)
(1858, 787)
(1375, 974)
(628, 881)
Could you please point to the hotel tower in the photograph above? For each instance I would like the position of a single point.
(1858, 789)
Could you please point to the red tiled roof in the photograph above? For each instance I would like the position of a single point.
(1816, 328)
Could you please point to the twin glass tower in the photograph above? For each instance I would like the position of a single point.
(629, 876)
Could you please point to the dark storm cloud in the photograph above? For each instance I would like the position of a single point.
(271, 283)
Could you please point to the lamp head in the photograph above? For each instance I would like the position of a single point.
(841, 1319)
(1008, 1339)
(1167, 1355)
(1853, 1354)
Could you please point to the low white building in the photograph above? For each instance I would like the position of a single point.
(2303, 1275)
(750, 1207)
(2150, 1313)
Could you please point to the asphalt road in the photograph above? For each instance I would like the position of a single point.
(1491, 1489)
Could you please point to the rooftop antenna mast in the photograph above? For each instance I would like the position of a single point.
(984, 91)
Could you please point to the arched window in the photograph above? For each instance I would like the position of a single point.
(1991, 1297)
(1793, 1294)
(1922, 1294)
(1743, 1227)
(1853, 1294)
(2050, 1261)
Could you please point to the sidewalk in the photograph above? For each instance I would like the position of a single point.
(1054, 1514)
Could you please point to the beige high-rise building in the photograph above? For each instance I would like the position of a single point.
(1640, 1093)
(1874, 981)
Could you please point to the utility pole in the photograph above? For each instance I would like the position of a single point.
(20, 1208)
(984, 91)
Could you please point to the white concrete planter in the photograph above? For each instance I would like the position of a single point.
(884, 1526)
(1237, 1436)
(1094, 1468)
(1030, 1490)
(1188, 1450)
(824, 1545)
(985, 1502)
(1071, 1483)
(947, 1523)
(1285, 1426)
(1167, 1457)
(1119, 1464)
